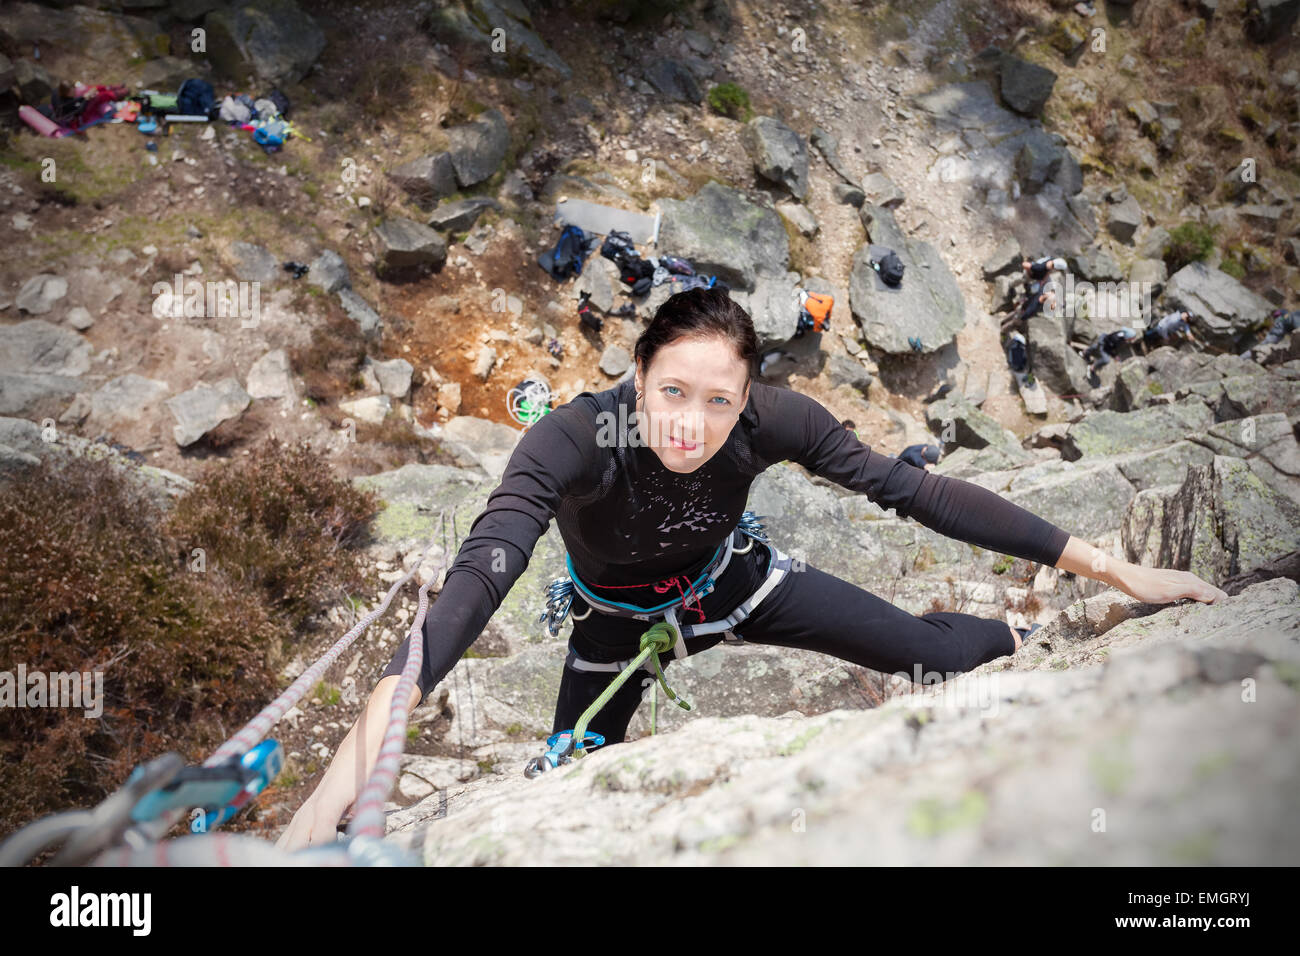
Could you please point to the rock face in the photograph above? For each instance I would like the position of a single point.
(477, 148)
(1025, 87)
(778, 153)
(408, 249)
(928, 304)
(878, 768)
(1224, 308)
(990, 767)
(204, 407)
(275, 40)
(722, 233)
(1222, 520)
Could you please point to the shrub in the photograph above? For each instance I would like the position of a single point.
(99, 577)
(92, 583)
(281, 524)
(1188, 242)
(730, 100)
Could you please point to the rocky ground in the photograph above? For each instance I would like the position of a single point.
(423, 191)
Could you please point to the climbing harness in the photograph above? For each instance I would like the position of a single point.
(668, 634)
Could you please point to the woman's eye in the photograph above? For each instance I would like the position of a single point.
(672, 387)
(723, 400)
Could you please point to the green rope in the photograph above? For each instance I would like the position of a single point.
(658, 640)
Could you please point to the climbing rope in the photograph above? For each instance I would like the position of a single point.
(659, 639)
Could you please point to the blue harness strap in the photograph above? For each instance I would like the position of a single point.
(561, 592)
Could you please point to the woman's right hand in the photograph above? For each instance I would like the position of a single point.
(312, 825)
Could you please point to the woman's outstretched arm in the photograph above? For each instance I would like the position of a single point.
(554, 458)
(1153, 585)
(317, 819)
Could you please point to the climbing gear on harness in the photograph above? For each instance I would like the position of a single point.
(668, 633)
(528, 401)
(561, 751)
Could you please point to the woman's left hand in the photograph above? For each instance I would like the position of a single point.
(1162, 586)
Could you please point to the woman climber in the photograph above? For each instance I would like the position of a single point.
(647, 482)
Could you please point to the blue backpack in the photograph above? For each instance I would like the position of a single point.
(567, 257)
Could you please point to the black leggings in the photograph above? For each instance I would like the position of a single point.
(809, 609)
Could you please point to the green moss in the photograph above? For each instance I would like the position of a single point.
(933, 817)
(1111, 764)
(799, 742)
(1004, 564)
(729, 99)
(1233, 268)
(1195, 850)
(718, 844)
(1188, 242)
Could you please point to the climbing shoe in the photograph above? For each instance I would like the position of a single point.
(1024, 632)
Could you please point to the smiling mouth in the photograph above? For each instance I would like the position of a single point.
(685, 445)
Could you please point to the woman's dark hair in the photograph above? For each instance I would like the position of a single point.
(700, 313)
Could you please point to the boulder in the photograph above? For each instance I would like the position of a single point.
(427, 178)
(1051, 358)
(477, 148)
(928, 298)
(1224, 309)
(39, 293)
(778, 153)
(674, 80)
(274, 40)
(460, 216)
(881, 190)
(1124, 219)
(1111, 433)
(1025, 86)
(393, 376)
(372, 409)
(720, 232)
(329, 273)
(408, 248)
(359, 310)
(37, 347)
(269, 376)
(253, 263)
(477, 441)
(204, 407)
(614, 361)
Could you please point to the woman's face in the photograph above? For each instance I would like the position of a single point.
(693, 393)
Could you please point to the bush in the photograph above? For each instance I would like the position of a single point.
(280, 524)
(92, 583)
(730, 100)
(1188, 242)
(99, 578)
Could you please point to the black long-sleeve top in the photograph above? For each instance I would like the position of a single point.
(626, 519)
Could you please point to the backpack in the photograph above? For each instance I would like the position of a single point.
(566, 258)
(196, 98)
(890, 268)
(814, 313)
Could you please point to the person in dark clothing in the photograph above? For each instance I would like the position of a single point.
(1039, 297)
(1173, 325)
(1039, 269)
(647, 482)
(1103, 348)
(1284, 324)
(919, 456)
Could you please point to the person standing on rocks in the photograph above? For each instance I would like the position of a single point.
(647, 482)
